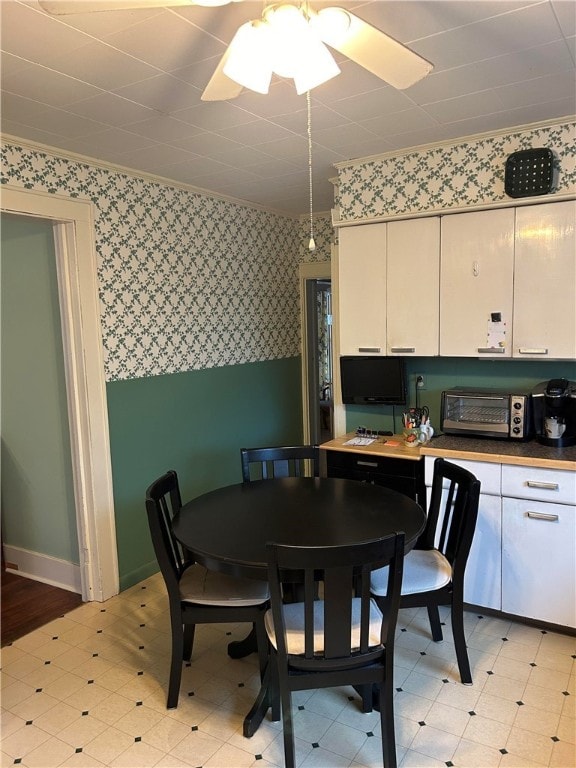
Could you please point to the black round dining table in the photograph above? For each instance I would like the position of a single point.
(227, 529)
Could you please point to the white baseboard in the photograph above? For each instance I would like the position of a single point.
(49, 570)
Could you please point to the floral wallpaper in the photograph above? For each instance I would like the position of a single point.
(186, 281)
(469, 173)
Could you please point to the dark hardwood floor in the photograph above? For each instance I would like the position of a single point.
(27, 605)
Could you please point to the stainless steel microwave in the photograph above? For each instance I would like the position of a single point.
(486, 413)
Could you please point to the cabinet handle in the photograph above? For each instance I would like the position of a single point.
(524, 351)
(541, 516)
(491, 350)
(542, 486)
(403, 350)
(367, 463)
(374, 350)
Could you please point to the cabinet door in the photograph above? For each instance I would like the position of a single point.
(476, 284)
(545, 280)
(483, 577)
(412, 295)
(539, 560)
(362, 289)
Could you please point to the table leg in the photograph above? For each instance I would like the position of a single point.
(262, 704)
(238, 649)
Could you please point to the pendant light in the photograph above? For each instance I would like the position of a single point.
(311, 243)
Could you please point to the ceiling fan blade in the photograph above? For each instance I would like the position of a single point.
(372, 49)
(64, 7)
(220, 87)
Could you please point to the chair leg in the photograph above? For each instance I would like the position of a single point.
(366, 694)
(263, 645)
(460, 641)
(188, 641)
(274, 687)
(387, 724)
(176, 663)
(434, 618)
(288, 728)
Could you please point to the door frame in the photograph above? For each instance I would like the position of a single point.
(76, 268)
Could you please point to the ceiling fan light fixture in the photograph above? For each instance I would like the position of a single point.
(296, 50)
(315, 66)
(287, 28)
(248, 62)
(331, 24)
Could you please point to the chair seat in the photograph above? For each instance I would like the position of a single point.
(203, 586)
(294, 620)
(425, 570)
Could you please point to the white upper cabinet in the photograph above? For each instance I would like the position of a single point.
(362, 289)
(412, 290)
(545, 281)
(476, 284)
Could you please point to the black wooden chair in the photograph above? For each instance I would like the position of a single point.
(197, 595)
(282, 461)
(339, 639)
(434, 569)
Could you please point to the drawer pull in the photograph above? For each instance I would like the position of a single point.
(372, 350)
(491, 350)
(367, 464)
(542, 486)
(525, 351)
(541, 516)
(403, 350)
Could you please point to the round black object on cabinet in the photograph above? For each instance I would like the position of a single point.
(529, 172)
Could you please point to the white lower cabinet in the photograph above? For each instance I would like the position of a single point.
(523, 555)
(539, 560)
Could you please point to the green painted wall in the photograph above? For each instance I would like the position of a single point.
(441, 373)
(195, 423)
(38, 509)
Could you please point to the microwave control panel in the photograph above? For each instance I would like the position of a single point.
(518, 415)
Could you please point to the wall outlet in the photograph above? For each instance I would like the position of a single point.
(420, 381)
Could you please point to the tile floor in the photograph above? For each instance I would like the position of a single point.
(89, 690)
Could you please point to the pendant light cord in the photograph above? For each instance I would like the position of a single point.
(311, 243)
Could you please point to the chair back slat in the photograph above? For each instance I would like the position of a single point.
(281, 461)
(452, 513)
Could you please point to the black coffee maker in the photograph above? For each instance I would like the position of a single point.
(554, 409)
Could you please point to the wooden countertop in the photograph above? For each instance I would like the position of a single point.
(529, 454)
(391, 446)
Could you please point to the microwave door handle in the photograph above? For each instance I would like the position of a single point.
(480, 397)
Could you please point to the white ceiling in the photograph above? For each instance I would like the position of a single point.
(125, 87)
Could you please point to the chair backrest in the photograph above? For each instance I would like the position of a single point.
(344, 572)
(282, 461)
(452, 514)
(163, 500)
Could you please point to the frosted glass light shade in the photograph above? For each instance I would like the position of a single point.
(249, 58)
(315, 66)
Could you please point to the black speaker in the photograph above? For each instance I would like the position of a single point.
(529, 172)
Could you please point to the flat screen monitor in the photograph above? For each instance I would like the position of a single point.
(371, 380)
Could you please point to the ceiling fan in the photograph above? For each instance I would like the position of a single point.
(290, 40)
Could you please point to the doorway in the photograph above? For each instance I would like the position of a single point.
(317, 360)
(73, 226)
(38, 507)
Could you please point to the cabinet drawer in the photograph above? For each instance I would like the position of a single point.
(363, 462)
(485, 471)
(554, 485)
